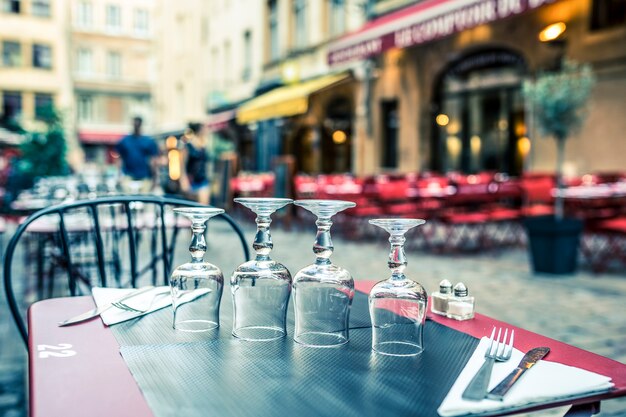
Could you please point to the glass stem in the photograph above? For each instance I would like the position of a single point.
(397, 257)
(198, 243)
(263, 239)
(323, 246)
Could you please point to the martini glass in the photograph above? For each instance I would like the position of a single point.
(397, 305)
(261, 287)
(197, 285)
(323, 291)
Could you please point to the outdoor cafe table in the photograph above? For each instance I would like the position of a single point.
(597, 201)
(78, 370)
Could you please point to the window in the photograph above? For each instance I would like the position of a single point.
(227, 64)
(42, 56)
(85, 60)
(114, 65)
(390, 129)
(41, 8)
(215, 61)
(274, 51)
(113, 17)
(115, 109)
(180, 101)
(84, 17)
(607, 14)
(43, 106)
(247, 55)
(11, 6)
(11, 105)
(141, 21)
(337, 17)
(11, 54)
(85, 108)
(299, 14)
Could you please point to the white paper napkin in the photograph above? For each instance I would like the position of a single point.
(114, 315)
(546, 381)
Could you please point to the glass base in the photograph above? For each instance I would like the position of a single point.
(195, 326)
(321, 340)
(397, 349)
(259, 333)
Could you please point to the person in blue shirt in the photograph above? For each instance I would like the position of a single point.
(137, 152)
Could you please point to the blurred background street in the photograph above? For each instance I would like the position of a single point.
(500, 122)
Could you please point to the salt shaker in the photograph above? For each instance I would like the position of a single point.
(440, 298)
(460, 305)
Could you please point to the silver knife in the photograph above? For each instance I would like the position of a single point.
(527, 362)
(99, 310)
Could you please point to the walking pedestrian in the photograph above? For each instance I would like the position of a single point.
(137, 153)
(196, 182)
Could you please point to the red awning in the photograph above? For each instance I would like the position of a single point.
(423, 22)
(219, 121)
(99, 138)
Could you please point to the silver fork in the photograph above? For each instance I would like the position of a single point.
(123, 306)
(498, 351)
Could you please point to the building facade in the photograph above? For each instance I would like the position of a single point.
(300, 108)
(443, 90)
(182, 64)
(34, 69)
(235, 39)
(113, 71)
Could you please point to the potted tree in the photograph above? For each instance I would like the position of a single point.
(559, 99)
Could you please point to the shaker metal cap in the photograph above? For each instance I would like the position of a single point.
(460, 290)
(445, 287)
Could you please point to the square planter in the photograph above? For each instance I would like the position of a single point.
(553, 244)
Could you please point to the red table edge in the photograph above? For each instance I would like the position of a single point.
(525, 340)
(100, 349)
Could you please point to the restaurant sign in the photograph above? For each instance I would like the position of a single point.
(426, 21)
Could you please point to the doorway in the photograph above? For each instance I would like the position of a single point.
(389, 113)
(479, 114)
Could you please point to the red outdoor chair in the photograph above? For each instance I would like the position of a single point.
(464, 231)
(609, 177)
(537, 197)
(464, 216)
(605, 244)
(505, 213)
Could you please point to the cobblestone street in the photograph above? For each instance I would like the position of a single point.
(586, 310)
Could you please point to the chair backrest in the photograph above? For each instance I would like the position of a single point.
(537, 190)
(118, 223)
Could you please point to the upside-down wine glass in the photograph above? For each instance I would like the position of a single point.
(197, 285)
(322, 291)
(261, 287)
(398, 304)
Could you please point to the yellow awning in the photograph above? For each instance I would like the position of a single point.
(285, 101)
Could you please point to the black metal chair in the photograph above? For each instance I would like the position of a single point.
(110, 218)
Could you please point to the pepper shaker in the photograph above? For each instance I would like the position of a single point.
(440, 298)
(461, 304)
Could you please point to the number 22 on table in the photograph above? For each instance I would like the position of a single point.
(62, 350)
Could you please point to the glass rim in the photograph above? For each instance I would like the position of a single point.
(262, 200)
(397, 222)
(198, 210)
(324, 202)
